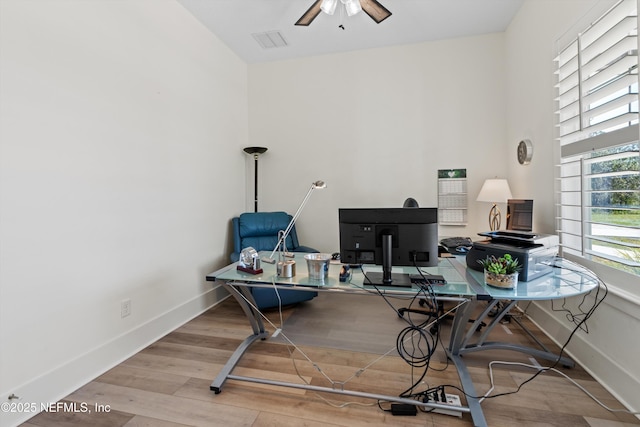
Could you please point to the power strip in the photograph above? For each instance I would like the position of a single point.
(452, 400)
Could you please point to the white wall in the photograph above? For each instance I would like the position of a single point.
(376, 126)
(121, 136)
(609, 351)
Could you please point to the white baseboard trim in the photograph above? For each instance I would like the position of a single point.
(65, 379)
(617, 380)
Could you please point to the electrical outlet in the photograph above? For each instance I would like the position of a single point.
(125, 308)
(453, 399)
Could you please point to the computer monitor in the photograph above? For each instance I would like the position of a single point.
(519, 214)
(388, 237)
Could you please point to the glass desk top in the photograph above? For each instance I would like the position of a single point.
(566, 280)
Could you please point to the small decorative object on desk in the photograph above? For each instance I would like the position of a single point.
(318, 265)
(501, 272)
(249, 261)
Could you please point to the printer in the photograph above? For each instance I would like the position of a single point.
(533, 251)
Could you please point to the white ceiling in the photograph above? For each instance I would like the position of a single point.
(412, 21)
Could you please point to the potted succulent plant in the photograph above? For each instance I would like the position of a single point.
(501, 272)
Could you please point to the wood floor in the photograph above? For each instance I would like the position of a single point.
(167, 384)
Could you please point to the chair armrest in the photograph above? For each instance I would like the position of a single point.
(235, 222)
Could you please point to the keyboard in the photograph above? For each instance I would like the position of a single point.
(457, 245)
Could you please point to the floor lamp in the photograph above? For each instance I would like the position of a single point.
(255, 151)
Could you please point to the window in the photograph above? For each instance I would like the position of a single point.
(598, 191)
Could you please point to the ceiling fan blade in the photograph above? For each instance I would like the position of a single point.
(310, 14)
(375, 10)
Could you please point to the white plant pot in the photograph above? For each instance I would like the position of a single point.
(506, 281)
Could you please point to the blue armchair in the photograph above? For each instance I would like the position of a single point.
(260, 231)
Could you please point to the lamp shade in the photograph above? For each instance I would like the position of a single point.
(329, 6)
(495, 191)
(352, 6)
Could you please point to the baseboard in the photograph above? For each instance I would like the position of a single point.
(622, 382)
(63, 380)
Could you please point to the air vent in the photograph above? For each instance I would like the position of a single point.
(270, 39)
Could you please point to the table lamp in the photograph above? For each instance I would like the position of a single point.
(287, 268)
(494, 191)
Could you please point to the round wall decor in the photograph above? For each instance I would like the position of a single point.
(525, 152)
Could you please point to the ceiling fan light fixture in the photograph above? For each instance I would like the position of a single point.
(373, 8)
(329, 6)
(352, 6)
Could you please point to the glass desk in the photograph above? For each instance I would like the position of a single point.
(463, 285)
(453, 271)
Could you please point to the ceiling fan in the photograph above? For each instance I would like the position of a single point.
(375, 10)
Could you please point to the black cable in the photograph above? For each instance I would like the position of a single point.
(570, 316)
(414, 344)
(425, 338)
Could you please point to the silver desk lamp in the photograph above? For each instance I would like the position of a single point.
(287, 268)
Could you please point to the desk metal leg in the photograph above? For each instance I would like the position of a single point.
(242, 294)
(540, 354)
(458, 339)
(254, 317)
(478, 322)
(466, 347)
(528, 332)
(459, 345)
(496, 319)
(224, 374)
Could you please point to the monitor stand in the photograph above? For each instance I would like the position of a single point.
(398, 280)
(387, 278)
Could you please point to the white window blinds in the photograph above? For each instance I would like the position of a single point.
(598, 76)
(598, 191)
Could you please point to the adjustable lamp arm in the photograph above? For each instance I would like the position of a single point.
(283, 237)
